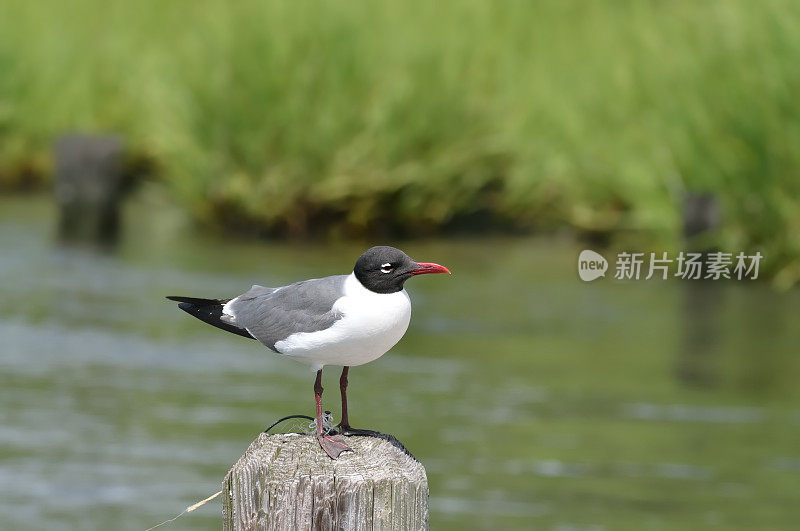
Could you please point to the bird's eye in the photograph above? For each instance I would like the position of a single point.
(386, 268)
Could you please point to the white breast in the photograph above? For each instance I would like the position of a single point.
(371, 324)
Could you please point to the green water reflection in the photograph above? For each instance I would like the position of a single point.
(534, 400)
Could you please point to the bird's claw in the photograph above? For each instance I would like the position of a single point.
(333, 445)
(348, 430)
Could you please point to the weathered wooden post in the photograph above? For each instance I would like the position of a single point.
(286, 481)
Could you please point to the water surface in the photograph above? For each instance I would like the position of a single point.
(533, 399)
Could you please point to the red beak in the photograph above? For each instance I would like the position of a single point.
(429, 267)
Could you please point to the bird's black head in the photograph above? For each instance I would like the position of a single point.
(384, 269)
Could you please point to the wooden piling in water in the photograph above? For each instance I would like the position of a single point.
(89, 185)
(286, 481)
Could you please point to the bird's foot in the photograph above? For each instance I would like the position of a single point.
(333, 445)
(349, 430)
(391, 439)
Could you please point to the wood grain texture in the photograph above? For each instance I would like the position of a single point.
(285, 481)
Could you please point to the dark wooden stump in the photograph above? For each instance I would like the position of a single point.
(701, 213)
(89, 184)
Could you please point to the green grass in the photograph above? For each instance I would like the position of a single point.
(341, 119)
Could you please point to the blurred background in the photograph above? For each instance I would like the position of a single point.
(195, 148)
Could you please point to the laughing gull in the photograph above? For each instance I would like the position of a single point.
(342, 320)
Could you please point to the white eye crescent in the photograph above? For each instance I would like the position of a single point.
(386, 268)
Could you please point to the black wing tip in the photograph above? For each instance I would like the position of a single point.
(209, 311)
(196, 301)
(178, 298)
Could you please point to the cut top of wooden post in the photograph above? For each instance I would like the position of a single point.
(286, 481)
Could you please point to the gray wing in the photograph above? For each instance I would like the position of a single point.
(273, 314)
